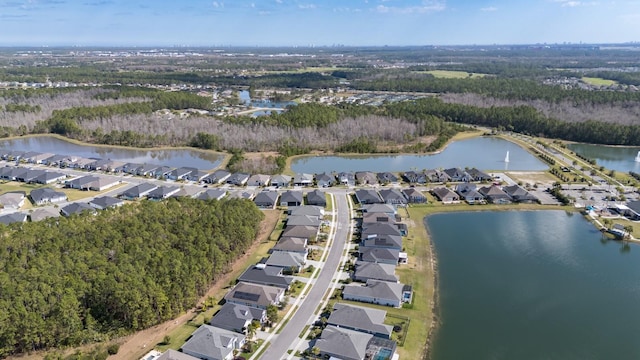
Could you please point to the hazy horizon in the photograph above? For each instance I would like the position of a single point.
(288, 23)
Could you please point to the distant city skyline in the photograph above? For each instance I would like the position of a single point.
(315, 22)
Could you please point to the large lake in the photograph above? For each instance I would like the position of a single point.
(533, 285)
(171, 157)
(484, 153)
(618, 158)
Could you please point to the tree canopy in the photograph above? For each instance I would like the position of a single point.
(69, 281)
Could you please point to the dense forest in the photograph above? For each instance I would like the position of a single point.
(81, 279)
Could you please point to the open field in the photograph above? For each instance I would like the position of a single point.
(598, 81)
(449, 74)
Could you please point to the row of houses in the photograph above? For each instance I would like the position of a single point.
(269, 199)
(242, 179)
(354, 332)
(260, 286)
(495, 194)
(391, 196)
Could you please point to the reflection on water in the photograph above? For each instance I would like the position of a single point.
(484, 153)
(533, 285)
(618, 158)
(169, 157)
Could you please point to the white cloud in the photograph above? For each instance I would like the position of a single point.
(217, 4)
(575, 3)
(307, 6)
(489, 9)
(427, 6)
(278, 1)
(253, 5)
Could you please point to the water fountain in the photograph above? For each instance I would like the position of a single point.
(638, 157)
(506, 158)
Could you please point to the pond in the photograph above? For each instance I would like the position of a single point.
(618, 158)
(533, 285)
(203, 160)
(483, 153)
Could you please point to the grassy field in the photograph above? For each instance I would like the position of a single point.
(449, 74)
(598, 81)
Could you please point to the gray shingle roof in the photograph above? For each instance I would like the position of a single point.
(376, 271)
(343, 343)
(211, 342)
(360, 319)
(265, 275)
(235, 317)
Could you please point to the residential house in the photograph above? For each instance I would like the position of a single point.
(49, 177)
(192, 192)
(379, 255)
(197, 176)
(359, 318)
(379, 208)
(12, 173)
(81, 183)
(30, 175)
(370, 218)
(413, 177)
(209, 194)
(181, 173)
(306, 232)
(289, 261)
(281, 181)
(378, 292)
(130, 168)
(346, 178)
(258, 180)
(266, 275)
(39, 158)
(303, 220)
(237, 318)
(238, 179)
(477, 175)
(457, 174)
(291, 244)
(310, 210)
(12, 200)
(76, 208)
(139, 191)
(317, 198)
(102, 183)
(325, 180)
(341, 343)
(365, 271)
(445, 195)
(163, 192)
(381, 241)
(47, 196)
(218, 177)
(393, 197)
(254, 295)
(146, 170)
(292, 198)
(13, 218)
(212, 343)
(375, 229)
(366, 178)
(172, 355)
(495, 195)
(368, 196)
(266, 199)
(437, 176)
(302, 179)
(346, 344)
(54, 160)
(468, 193)
(162, 172)
(414, 196)
(44, 213)
(386, 178)
(248, 195)
(105, 202)
(519, 194)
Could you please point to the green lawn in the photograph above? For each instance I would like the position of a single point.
(178, 337)
(598, 81)
(450, 74)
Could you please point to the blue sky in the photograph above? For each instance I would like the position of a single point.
(316, 22)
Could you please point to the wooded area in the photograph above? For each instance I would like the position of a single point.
(81, 279)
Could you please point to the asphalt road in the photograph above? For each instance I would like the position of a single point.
(289, 334)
